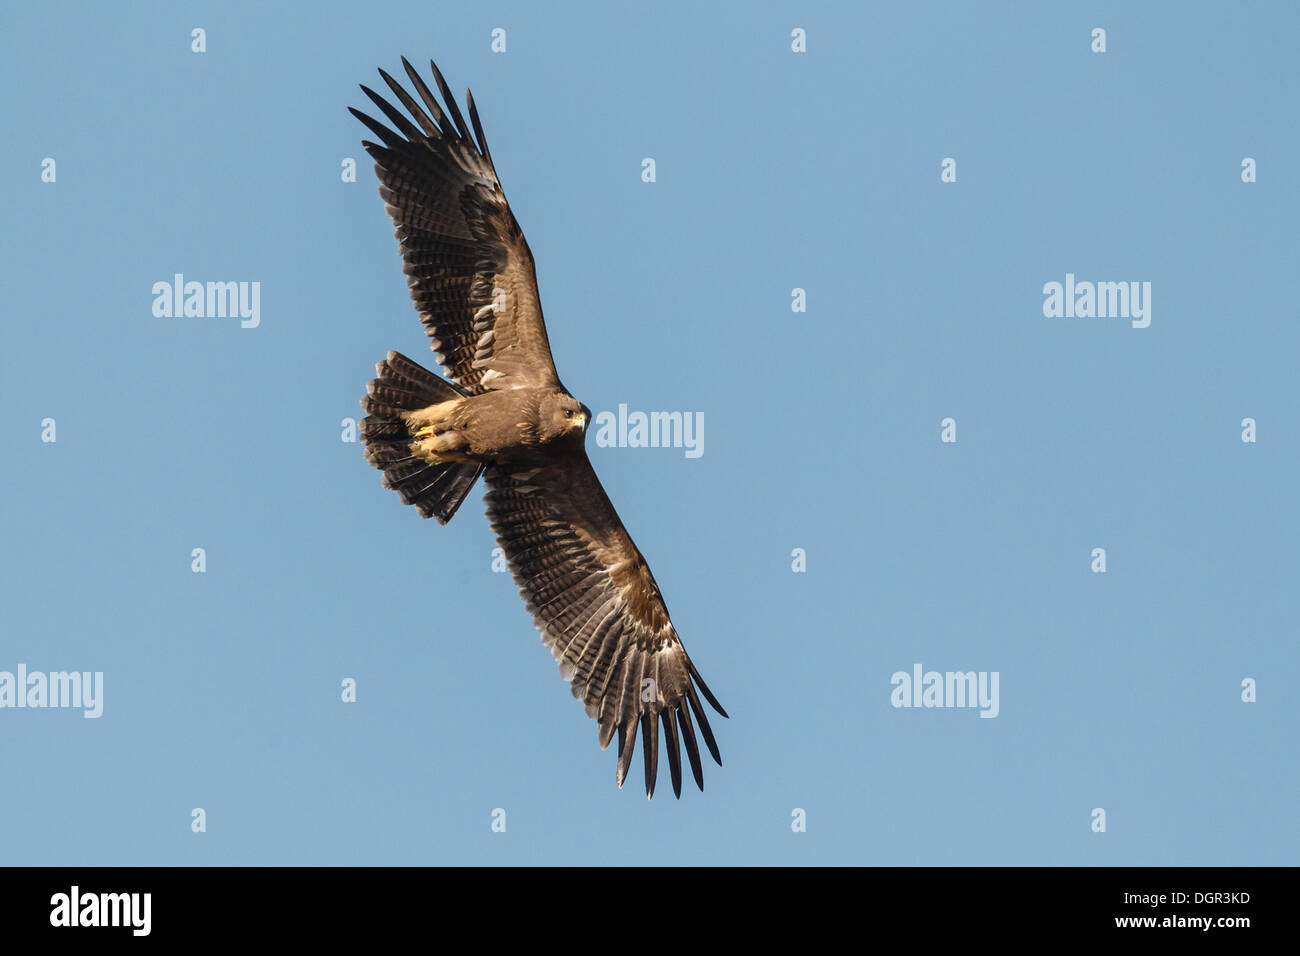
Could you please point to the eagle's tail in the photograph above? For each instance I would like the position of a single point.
(402, 385)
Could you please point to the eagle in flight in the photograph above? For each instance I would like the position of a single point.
(505, 415)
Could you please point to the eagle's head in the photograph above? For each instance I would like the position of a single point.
(562, 416)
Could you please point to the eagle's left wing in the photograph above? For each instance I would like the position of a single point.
(468, 266)
(599, 610)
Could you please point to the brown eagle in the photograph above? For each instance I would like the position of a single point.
(505, 414)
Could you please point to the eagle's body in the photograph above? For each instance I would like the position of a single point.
(504, 414)
(496, 425)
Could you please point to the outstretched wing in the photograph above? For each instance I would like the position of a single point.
(599, 610)
(467, 264)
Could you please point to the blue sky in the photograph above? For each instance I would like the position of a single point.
(775, 171)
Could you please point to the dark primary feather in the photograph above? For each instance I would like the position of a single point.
(470, 271)
(650, 748)
(692, 748)
(599, 610)
(450, 100)
(671, 746)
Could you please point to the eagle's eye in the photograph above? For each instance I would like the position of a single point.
(568, 413)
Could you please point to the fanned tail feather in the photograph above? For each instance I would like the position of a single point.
(402, 385)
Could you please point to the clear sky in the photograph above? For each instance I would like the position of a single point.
(774, 171)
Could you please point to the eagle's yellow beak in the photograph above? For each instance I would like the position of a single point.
(579, 420)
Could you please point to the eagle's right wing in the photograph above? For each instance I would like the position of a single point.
(468, 266)
(599, 609)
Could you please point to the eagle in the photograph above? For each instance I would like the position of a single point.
(503, 413)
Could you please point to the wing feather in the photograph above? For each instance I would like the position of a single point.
(650, 749)
(692, 748)
(672, 749)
